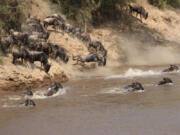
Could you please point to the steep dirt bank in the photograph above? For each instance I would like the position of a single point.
(155, 42)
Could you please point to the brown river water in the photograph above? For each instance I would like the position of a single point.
(96, 104)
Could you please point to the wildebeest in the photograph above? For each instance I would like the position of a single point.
(60, 52)
(46, 48)
(5, 43)
(38, 56)
(34, 39)
(165, 80)
(19, 37)
(77, 32)
(54, 89)
(33, 25)
(138, 10)
(28, 93)
(58, 17)
(90, 58)
(135, 86)
(51, 22)
(171, 68)
(97, 45)
(21, 53)
(85, 37)
(69, 28)
(41, 57)
(42, 35)
(33, 20)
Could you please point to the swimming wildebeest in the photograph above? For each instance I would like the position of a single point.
(165, 81)
(90, 58)
(28, 93)
(60, 52)
(138, 10)
(29, 102)
(19, 37)
(5, 43)
(21, 53)
(135, 86)
(54, 89)
(171, 68)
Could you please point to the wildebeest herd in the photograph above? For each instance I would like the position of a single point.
(31, 43)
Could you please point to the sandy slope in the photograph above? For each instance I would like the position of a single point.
(166, 21)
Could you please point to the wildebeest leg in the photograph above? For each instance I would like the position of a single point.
(45, 25)
(136, 14)
(141, 17)
(14, 60)
(21, 60)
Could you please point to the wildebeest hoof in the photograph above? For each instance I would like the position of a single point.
(29, 102)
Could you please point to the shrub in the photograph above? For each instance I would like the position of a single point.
(92, 11)
(11, 14)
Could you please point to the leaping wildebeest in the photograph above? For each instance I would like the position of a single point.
(93, 57)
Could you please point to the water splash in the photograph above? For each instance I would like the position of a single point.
(120, 91)
(41, 94)
(135, 73)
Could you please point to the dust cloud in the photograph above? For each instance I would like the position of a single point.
(138, 53)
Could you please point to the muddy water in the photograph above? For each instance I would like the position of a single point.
(98, 105)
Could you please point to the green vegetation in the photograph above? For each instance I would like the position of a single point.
(11, 14)
(93, 11)
(164, 3)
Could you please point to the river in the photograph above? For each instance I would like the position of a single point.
(97, 104)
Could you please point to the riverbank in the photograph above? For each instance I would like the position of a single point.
(138, 44)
